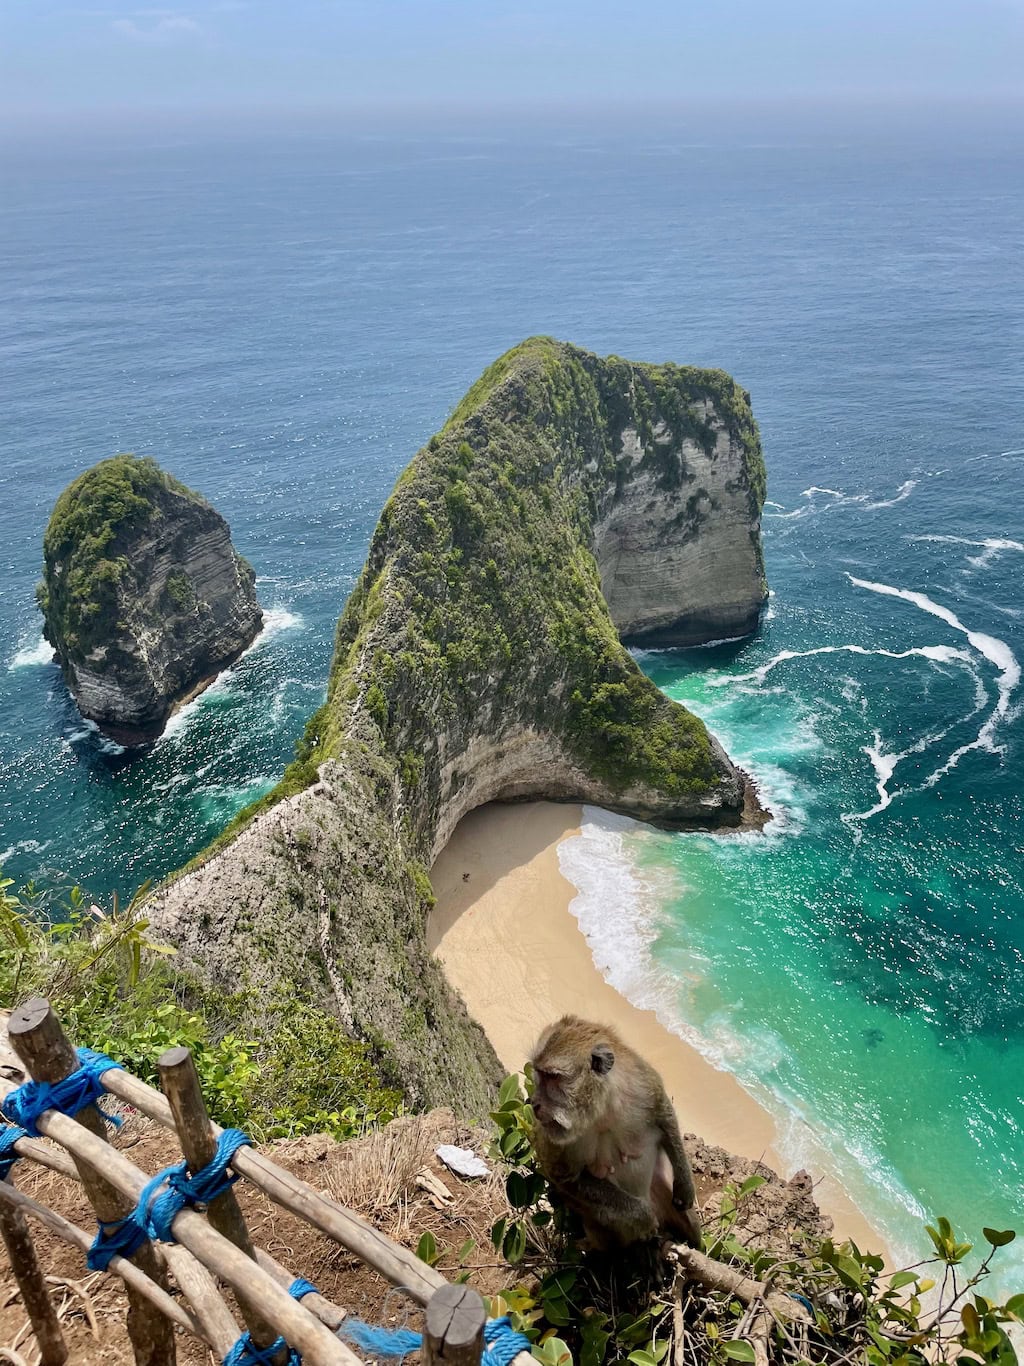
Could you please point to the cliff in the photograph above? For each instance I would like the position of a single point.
(568, 501)
(143, 597)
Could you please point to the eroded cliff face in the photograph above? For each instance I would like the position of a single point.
(144, 598)
(478, 660)
(682, 565)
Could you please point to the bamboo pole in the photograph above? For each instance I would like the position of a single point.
(193, 1278)
(119, 1266)
(39, 1041)
(215, 1322)
(397, 1264)
(21, 1252)
(454, 1329)
(311, 1338)
(180, 1085)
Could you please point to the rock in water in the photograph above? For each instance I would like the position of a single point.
(144, 598)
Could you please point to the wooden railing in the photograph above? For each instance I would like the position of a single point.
(210, 1246)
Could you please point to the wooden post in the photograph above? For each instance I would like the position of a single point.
(41, 1044)
(32, 1284)
(454, 1330)
(184, 1094)
(395, 1263)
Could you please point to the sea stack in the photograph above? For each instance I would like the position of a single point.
(571, 504)
(144, 598)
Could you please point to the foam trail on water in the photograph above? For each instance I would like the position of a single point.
(904, 491)
(991, 548)
(996, 651)
(941, 654)
(885, 764)
(30, 656)
(839, 499)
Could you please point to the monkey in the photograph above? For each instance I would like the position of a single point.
(607, 1138)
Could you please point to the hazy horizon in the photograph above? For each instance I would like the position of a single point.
(68, 58)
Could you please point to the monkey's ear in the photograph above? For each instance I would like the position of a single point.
(601, 1059)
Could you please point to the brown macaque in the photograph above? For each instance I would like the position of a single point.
(607, 1138)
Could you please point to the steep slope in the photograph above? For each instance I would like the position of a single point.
(144, 599)
(478, 660)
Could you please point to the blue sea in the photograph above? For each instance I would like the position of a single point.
(282, 316)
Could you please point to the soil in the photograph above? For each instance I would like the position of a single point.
(375, 1175)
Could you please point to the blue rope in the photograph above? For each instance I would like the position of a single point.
(77, 1090)
(501, 1342)
(380, 1342)
(9, 1135)
(246, 1353)
(162, 1199)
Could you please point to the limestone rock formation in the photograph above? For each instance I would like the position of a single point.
(144, 599)
(479, 660)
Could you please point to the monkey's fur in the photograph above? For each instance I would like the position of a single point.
(607, 1138)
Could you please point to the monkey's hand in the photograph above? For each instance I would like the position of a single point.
(630, 1219)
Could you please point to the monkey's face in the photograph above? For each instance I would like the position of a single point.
(570, 1082)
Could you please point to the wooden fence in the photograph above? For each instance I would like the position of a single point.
(210, 1246)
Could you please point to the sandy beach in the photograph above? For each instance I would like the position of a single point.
(512, 948)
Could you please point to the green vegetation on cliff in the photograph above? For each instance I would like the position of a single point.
(480, 579)
(292, 1071)
(477, 659)
(82, 555)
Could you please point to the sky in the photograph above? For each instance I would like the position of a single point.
(60, 56)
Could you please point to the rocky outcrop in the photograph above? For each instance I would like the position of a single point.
(477, 660)
(144, 599)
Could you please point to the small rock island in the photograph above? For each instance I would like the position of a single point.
(144, 598)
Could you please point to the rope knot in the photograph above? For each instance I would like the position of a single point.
(77, 1090)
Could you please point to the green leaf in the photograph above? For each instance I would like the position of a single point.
(642, 1358)
(517, 1190)
(1015, 1306)
(426, 1249)
(509, 1089)
(752, 1183)
(901, 1279)
(738, 1350)
(514, 1246)
(998, 1239)
(498, 1233)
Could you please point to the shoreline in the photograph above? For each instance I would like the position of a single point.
(509, 944)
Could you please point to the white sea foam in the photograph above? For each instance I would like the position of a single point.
(866, 501)
(276, 620)
(184, 716)
(883, 761)
(24, 847)
(31, 656)
(618, 911)
(993, 649)
(991, 547)
(939, 653)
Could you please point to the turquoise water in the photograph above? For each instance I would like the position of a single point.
(862, 964)
(283, 316)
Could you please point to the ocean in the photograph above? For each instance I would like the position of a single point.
(281, 317)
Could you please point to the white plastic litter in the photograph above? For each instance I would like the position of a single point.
(462, 1160)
